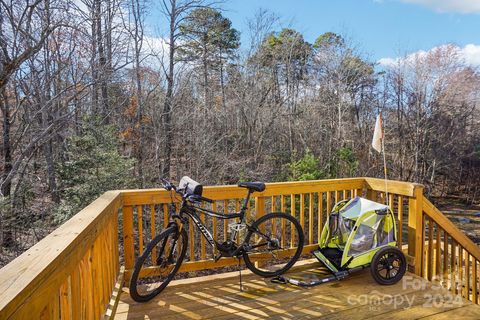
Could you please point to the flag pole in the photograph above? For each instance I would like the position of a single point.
(385, 168)
(378, 144)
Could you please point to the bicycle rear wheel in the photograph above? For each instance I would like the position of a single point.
(275, 244)
(158, 264)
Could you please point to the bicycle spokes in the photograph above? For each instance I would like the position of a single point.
(269, 241)
(158, 263)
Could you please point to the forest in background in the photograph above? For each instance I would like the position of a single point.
(88, 104)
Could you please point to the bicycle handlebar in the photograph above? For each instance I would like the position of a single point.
(167, 185)
(196, 198)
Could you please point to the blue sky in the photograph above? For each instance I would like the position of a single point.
(381, 28)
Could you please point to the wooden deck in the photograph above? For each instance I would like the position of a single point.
(75, 272)
(358, 297)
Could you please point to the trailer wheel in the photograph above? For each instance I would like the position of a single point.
(388, 266)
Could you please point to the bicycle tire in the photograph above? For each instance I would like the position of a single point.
(294, 225)
(134, 281)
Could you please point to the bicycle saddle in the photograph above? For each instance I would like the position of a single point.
(253, 186)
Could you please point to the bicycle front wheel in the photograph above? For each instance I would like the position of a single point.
(274, 243)
(158, 264)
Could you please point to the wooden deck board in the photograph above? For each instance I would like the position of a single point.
(357, 297)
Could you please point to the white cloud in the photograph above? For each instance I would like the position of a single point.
(388, 61)
(470, 54)
(461, 6)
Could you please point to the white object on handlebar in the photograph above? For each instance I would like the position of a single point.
(190, 186)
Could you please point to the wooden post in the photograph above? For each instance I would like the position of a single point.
(415, 229)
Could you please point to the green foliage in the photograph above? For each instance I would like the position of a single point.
(93, 166)
(288, 44)
(208, 35)
(329, 40)
(355, 71)
(306, 168)
(344, 163)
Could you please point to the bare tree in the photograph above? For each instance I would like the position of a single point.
(175, 11)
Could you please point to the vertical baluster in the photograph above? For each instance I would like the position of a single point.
(310, 218)
(452, 266)
(400, 222)
(152, 230)
(202, 238)
(424, 249)
(467, 276)
(140, 228)
(302, 212)
(345, 194)
(320, 215)
(237, 209)
(329, 202)
(273, 208)
(283, 209)
(225, 221)
(358, 192)
(445, 256)
(438, 259)
(165, 215)
(129, 253)
(460, 270)
(165, 223)
(214, 226)
(475, 281)
(260, 211)
(191, 237)
(430, 249)
(292, 212)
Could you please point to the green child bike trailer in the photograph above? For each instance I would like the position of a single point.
(359, 233)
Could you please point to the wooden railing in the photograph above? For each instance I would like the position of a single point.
(71, 273)
(145, 213)
(437, 249)
(449, 256)
(75, 271)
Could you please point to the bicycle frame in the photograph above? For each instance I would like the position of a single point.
(191, 212)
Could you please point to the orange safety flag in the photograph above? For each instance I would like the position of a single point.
(378, 134)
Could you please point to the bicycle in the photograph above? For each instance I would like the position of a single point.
(264, 240)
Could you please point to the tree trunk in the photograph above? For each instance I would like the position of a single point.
(222, 82)
(102, 63)
(6, 187)
(167, 106)
(93, 58)
(205, 77)
(138, 38)
(51, 173)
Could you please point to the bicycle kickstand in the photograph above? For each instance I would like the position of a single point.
(240, 274)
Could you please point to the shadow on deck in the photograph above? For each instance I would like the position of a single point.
(357, 297)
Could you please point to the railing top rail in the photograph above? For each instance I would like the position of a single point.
(48, 262)
(152, 196)
(393, 186)
(450, 228)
